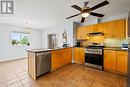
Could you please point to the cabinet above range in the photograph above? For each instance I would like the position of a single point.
(111, 29)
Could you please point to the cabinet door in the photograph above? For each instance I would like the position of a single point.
(122, 59)
(79, 55)
(100, 27)
(80, 33)
(108, 29)
(95, 28)
(91, 28)
(69, 56)
(76, 54)
(115, 29)
(66, 56)
(55, 60)
(110, 60)
(84, 33)
(120, 28)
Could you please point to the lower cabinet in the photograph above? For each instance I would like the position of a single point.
(116, 61)
(55, 60)
(110, 60)
(122, 61)
(60, 58)
(79, 55)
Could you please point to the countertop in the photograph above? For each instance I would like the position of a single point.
(45, 49)
(111, 48)
(115, 48)
(79, 47)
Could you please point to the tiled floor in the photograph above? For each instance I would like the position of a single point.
(14, 74)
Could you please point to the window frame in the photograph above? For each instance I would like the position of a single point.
(19, 45)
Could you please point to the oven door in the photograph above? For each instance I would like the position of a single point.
(95, 59)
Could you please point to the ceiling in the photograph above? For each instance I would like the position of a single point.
(42, 14)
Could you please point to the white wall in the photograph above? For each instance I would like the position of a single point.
(8, 52)
(58, 30)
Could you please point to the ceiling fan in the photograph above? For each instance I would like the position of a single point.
(86, 11)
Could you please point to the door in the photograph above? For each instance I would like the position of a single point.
(122, 59)
(110, 60)
(80, 33)
(69, 55)
(108, 29)
(120, 28)
(55, 60)
(64, 56)
(79, 55)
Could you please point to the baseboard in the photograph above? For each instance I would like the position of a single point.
(12, 59)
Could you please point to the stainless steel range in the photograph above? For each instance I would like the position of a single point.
(94, 56)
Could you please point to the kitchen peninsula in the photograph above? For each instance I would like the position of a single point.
(59, 57)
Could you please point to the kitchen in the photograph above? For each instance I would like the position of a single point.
(92, 52)
(95, 48)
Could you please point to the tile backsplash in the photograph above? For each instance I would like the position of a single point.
(114, 42)
(109, 42)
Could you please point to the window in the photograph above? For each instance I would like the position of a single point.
(19, 39)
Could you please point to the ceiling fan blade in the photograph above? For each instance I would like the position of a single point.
(96, 14)
(76, 7)
(73, 16)
(82, 20)
(85, 3)
(100, 5)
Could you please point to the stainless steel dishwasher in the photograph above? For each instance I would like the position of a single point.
(43, 63)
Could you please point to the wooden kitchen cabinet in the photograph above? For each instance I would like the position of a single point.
(120, 28)
(55, 60)
(60, 58)
(82, 33)
(91, 28)
(111, 29)
(122, 61)
(100, 27)
(108, 29)
(115, 29)
(116, 61)
(79, 55)
(66, 56)
(79, 33)
(110, 60)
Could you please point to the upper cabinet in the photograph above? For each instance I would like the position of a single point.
(81, 33)
(112, 29)
(109, 29)
(117, 29)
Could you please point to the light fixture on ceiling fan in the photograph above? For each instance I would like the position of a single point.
(85, 12)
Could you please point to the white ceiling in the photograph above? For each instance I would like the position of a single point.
(46, 13)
